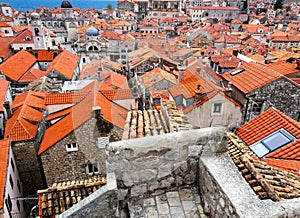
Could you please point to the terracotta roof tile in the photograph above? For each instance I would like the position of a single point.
(120, 94)
(17, 65)
(3, 89)
(265, 124)
(64, 98)
(253, 77)
(63, 195)
(23, 124)
(4, 149)
(157, 75)
(5, 46)
(284, 68)
(270, 179)
(32, 75)
(45, 55)
(65, 63)
(24, 37)
(81, 112)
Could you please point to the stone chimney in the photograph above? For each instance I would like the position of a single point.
(99, 72)
(198, 69)
(197, 97)
(235, 52)
(181, 68)
(97, 112)
(7, 108)
(298, 63)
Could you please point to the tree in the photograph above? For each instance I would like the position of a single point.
(278, 5)
(109, 7)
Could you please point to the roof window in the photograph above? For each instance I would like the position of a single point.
(272, 142)
(237, 71)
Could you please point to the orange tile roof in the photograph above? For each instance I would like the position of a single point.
(5, 46)
(26, 112)
(157, 75)
(3, 89)
(65, 63)
(15, 67)
(114, 80)
(64, 98)
(253, 77)
(214, 8)
(283, 67)
(119, 94)
(45, 55)
(32, 75)
(24, 37)
(80, 113)
(4, 151)
(266, 124)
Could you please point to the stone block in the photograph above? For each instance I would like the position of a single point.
(177, 212)
(186, 195)
(164, 170)
(153, 186)
(149, 202)
(166, 183)
(189, 206)
(173, 202)
(138, 190)
(173, 194)
(163, 209)
(161, 199)
(172, 155)
(151, 212)
(194, 150)
(222, 202)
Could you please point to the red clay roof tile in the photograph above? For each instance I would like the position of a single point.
(254, 76)
(17, 65)
(4, 149)
(3, 89)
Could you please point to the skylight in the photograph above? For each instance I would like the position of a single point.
(237, 71)
(272, 142)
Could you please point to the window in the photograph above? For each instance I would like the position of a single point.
(8, 203)
(11, 182)
(217, 108)
(12, 164)
(71, 147)
(256, 108)
(18, 205)
(272, 142)
(92, 169)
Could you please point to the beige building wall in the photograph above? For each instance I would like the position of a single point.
(206, 115)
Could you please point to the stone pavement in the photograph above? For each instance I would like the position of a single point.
(184, 203)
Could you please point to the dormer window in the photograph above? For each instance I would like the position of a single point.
(92, 169)
(272, 142)
(72, 147)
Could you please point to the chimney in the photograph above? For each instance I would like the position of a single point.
(267, 61)
(181, 68)
(198, 69)
(298, 63)
(99, 72)
(235, 52)
(7, 108)
(197, 97)
(97, 112)
(228, 90)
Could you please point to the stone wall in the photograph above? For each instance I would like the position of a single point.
(282, 94)
(101, 204)
(28, 164)
(60, 165)
(225, 193)
(153, 165)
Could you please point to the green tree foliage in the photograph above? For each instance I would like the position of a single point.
(109, 7)
(278, 5)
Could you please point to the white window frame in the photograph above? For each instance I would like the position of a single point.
(93, 171)
(213, 112)
(72, 147)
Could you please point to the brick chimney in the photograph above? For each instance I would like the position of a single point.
(235, 52)
(197, 97)
(181, 68)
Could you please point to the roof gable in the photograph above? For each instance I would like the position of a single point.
(27, 109)
(251, 76)
(17, 65)
(65, 63)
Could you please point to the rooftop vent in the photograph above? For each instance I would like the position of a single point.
(237, 71)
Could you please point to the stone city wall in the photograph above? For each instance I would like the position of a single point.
(153, 165)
